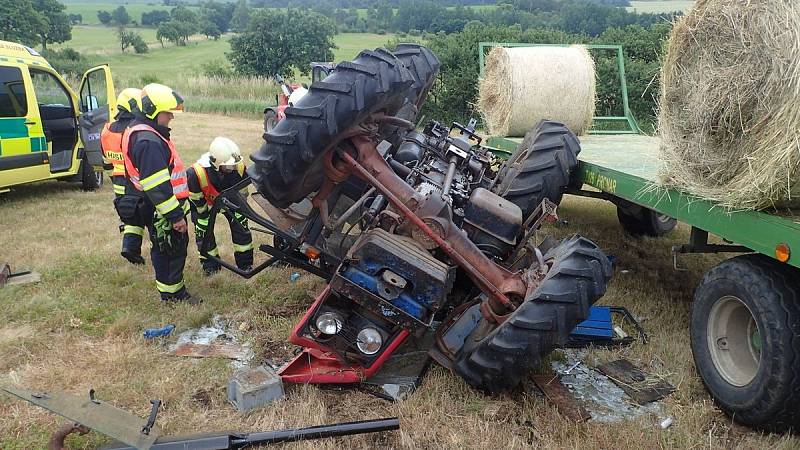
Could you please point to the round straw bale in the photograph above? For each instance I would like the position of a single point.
(524, 85)
(729, 114)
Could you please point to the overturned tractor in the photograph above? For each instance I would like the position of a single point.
(423, 236)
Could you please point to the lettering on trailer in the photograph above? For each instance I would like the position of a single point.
(602, 182)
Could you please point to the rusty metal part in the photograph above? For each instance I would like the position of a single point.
(392, 120)
(353, 208)
(285, 218)
(545, 211)
(488, 276)
(558, 394)
(57, 438)
(5, 272)
(92, 413)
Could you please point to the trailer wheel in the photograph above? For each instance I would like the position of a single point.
(289, 164)
(640, 221)
(496, 359)
(540, 167)
(745, 337)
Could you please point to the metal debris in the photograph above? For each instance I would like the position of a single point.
(642, 387)
(7, 277)
(217, 340)
(603, 399)
(557, 394)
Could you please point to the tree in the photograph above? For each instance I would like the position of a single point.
(120, 16)
(219, 14)
(278, 42)
(104, 17)
(241, 16)
(131, 39)
(167, 31)
(19, 22)
(55, 26)
(76, 19)
(210, 29)
(155, 18)
(183, 14)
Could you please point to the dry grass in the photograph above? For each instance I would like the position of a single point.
(729, 116)
(525, 85)
(81, 327)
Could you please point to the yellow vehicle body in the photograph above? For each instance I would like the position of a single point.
(46, 130)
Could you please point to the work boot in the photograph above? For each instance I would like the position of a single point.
(187, 298)
(132, 257)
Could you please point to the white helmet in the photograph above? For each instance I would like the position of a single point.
(224, 152)
(297, 94)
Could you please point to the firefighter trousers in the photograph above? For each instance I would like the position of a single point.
(168, 255)
(132, 230)
(240, 235)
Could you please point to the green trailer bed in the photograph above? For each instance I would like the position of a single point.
(746, 310)
(626, 166)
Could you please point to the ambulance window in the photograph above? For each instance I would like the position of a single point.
(93, 92)
(13, 101)
(49, 91)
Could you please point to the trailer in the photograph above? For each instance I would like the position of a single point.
(745, 318)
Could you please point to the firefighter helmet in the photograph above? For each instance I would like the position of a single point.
(130, 99)
(223, 152)
(158, 98)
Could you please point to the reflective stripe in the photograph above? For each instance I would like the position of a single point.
(195, 195)
(155, 179)
(186, 207)
(133, 229)
(168, 205)
(213, 252)
(209, 191)
(169, 288)
(202, 209)
(242, 248)
(202, 221)
(119, 189)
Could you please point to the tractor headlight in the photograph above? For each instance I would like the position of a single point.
(369, 341)
(329, 323)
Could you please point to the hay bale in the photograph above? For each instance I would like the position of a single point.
(730, 103)
(524, 85)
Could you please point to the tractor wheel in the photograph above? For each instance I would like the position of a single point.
(496, 359)
(289, 164)
(640, 221)
(745, 340)
(540, 167)
(270, 120)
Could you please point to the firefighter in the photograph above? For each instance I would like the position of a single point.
(215, 171)
(157, 181)
(128, 102)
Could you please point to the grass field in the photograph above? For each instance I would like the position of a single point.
(182, 67)
(80, 328)
(658, 6)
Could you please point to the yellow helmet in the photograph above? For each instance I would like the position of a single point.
(158, 98)
(130, 99)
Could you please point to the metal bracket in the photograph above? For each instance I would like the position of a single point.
(698, 243)
(94, 414)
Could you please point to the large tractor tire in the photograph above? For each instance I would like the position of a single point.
(498, 360)
(424, 66)
(745, 337)
(289, 164)
(540, 167)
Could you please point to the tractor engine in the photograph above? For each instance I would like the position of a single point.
(450, 162)
(393, 280)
